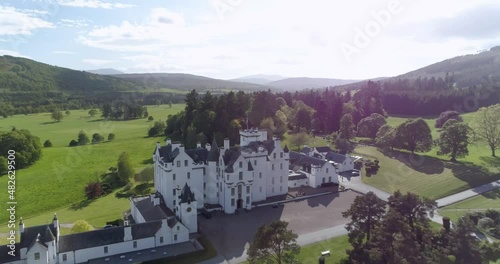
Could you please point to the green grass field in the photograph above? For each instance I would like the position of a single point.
(424, 175)
(55, 183)
(310, 254)
(479, 203)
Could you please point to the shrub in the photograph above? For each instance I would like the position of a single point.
(73, 143)
(47, 144)
(81, 226)
(151, 118)
(111, 136)
(358, 164)
(97, 138)
(485, 222)
(83, 139)
(93, 190)
(493, 214)
(475, 216)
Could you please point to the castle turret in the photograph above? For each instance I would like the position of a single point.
(187, 212)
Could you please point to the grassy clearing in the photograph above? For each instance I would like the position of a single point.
(424, 175)
(310, 254)
(481, 202)
(55, 183)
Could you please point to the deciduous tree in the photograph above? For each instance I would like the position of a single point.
(125, 169)
(27, 147)
(81, 226)
(347, 127)
(369, 126)
(57, 115)
(454, 139)
(414, 135)
(273, 243)
(486, 126)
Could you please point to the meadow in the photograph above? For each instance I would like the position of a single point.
(55, 183)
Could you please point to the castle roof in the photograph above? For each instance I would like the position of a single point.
(285, 149)
(213, 154)
(336, 157)
(299, 159)
(44, 233)
(323, 149)
(149, 211)
(199, 155)
(187, 195)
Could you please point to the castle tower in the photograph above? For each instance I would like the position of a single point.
(187, 211)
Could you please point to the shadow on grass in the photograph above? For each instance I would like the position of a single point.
(97, 120)
(80, 205)
(148, 161)
(491, 161)
(472, 174)
(423, 164)
(49, 123)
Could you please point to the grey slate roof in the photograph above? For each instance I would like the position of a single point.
(230, 157)
(151, 212)
(187, 195)
(199, 155)
(107, 236)
(4, 254)
(167, 153)
(306, 150)
(336, 157)
(172, 221)
(323, 149)
(299, 159)
(285, 149)
(254, 146)
(299, 176)
(47, 233)
(213, 154)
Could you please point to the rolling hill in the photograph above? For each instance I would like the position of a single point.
(301, 83)
(105, 71)
(259, 79)
(183, 82)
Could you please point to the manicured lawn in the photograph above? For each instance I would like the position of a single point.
(310, 254)
(485, 201)
(55, 183)
(427, 176)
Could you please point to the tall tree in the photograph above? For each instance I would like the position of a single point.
(369, 126)
(365, 212)
(464, 245)
(57, 115)
(385, 137)
(414, 135)
(273, 243)
(486, 126)
(83, 139)
(447, 115)
(413, 208)
(125, 169)
(347, 127)
(454, 139)
(27, 147)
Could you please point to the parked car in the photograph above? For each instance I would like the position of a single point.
(355, 173)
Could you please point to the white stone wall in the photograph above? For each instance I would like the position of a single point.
(37, 248)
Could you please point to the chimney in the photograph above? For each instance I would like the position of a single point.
(198, 144)
(226, 143)
(181, 148)
(127, 229)
(169, 141)
(55, 221)
(21, 226)
(277, 142)
(208, 147)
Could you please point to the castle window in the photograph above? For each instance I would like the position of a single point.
(232, 191)
(260, 175)
(248, 199)
(174, 202)
(241, 175)
(175, 237)
(326, 170)
(228, 177)
(37, 256)
(272, 179)
(135, 244)
(161, 240)
(232, 202)
(178, 163)
(281, 179)
(255, 162)
(204, 185)
(189, 175)
(281, 166)
(272, 166)
(272, 190)
(248, 189)
(281, 154)
(174, 192)
(65, 257)
(274, 155)
(173, 176)
(323, 180)
(281, 188)
(105, 250)
(178, 228)
(241, 164)
(330, 179)
(260, 189)
(186, 163)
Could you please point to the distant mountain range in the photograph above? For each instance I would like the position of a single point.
(106, 71)
(259, 79)
(301, 83)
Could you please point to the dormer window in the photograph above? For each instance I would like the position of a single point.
(178, 163)
(274, 155)
(37, 256)
(241, 164)
(281, 154)
(186, 163)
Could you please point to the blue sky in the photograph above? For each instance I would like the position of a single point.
(232, 38)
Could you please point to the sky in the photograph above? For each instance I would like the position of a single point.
(232, 38)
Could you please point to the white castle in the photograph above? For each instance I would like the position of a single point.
(228, 178)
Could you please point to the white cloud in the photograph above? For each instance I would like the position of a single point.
(98, 62)
(63, 52)
(93, 4)
(20, 22)
(73, 23)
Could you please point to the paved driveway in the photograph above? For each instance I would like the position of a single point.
(231, 234)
